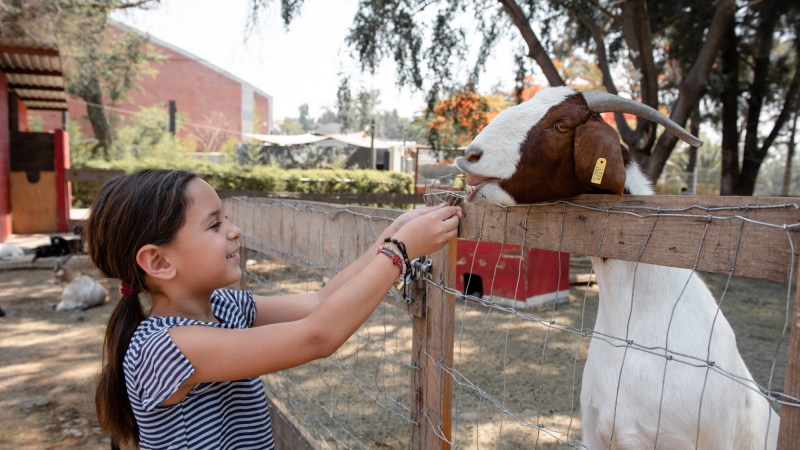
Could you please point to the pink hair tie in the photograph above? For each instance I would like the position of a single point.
(127, 290)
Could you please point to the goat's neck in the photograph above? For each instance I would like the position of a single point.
(620, 281)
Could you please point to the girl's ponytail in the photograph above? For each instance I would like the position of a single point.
(145, 207)
(111, 398)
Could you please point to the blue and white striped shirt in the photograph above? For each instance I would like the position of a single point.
(220, 415)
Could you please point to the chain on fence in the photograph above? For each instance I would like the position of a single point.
(516, 370)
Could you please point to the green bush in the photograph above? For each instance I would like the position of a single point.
(259, 178)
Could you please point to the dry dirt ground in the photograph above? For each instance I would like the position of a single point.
(49, 361)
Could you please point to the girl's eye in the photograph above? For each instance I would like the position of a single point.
(216, 225)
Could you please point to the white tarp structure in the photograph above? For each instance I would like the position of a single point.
(358, 139)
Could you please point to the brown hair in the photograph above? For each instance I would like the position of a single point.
(145, 207)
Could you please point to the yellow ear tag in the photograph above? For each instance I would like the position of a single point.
(599, 168)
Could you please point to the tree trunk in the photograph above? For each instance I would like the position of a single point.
(753, 157)
(97, 117)
(787, 173)
(730, 115)
(636, 30)
(691, 166)
(535, 49)
(695, 84)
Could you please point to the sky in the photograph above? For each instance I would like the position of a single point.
(295, 67)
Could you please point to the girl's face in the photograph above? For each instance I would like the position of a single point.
(206, 248)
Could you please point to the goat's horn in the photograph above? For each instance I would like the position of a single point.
(605, 102)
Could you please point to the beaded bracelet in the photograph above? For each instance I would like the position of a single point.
(397, 260)
(408, 271)
(401, 247)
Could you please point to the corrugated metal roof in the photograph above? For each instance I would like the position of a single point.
(34, 73)
(358, 139)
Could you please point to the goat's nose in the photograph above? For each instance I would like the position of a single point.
(473, 155)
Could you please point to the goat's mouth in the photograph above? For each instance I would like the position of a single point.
(474, 183)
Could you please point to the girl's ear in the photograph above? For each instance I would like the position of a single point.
(152, 259)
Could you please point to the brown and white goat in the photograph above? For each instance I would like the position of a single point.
(547, 149)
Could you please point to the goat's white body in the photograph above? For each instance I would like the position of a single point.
(81, 293)
(661, 307)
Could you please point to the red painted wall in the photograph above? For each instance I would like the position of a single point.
(5, 161)
(22, 116)
(63, 187)
(201, 94)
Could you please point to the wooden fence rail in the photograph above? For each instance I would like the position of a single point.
(749, 236)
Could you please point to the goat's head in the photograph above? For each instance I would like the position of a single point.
(553, 146)
(61, 270)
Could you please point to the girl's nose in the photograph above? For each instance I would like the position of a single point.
(234, 233)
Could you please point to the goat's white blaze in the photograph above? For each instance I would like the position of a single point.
(502, 139)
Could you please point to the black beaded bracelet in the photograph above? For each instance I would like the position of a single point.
(400, 246)
(409, 269)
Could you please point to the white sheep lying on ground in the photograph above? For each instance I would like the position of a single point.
(547, 149)
(79, 292)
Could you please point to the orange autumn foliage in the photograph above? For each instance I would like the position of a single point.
(454, 121)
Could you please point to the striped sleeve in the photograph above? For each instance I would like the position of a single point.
(237, 306)
(162, 370)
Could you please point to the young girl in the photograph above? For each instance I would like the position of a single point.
(185, 374)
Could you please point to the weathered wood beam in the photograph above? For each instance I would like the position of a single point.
(755, 237)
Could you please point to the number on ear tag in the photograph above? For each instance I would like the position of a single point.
(599, 168)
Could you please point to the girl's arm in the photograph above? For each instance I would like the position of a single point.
(286, 308)
(222, 354)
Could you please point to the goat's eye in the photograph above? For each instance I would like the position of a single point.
(561, 126)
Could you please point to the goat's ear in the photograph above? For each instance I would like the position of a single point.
(598, 157)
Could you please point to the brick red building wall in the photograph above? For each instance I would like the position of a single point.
(263, 114)
(204, 95)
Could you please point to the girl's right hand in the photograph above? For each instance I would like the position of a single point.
(429, 232)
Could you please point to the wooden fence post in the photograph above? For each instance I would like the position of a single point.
(431, 386)
(789, 435)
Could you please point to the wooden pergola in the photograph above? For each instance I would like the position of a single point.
(34, 73)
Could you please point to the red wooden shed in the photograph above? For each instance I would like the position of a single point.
(34, 192)
(510, 274)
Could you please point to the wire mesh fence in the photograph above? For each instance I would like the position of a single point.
(462, 370)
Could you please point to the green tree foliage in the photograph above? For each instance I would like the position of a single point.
(305, 120)
(356, 112)
(289, 126)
